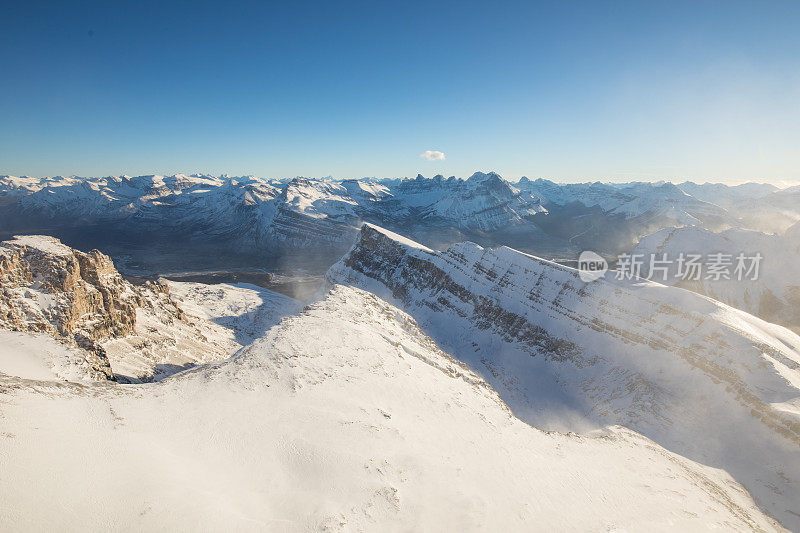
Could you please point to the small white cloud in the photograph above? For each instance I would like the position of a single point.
(432, 155)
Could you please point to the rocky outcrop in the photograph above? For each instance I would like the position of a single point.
(77, 297)
(77, 292)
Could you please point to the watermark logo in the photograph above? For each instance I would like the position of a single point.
(685, 267)
(591, 266)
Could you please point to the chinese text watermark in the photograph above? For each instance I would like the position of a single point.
(685, 266)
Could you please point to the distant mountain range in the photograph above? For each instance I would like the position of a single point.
(261, 218)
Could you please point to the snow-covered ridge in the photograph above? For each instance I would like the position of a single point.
(705, 380)
(483, 200)
(449, 198)
(345, 417)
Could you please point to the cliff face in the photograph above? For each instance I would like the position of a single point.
(78, 297)
(81, 300)
(697, 376)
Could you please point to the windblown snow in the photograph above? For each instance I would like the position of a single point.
(345, 417)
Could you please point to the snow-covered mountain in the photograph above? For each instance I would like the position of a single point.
(772, 293)
(772, 213)
(484, 202)
(346, 417)
(384, 404)
(727, 196)
(267, 213)
(707, 381)
(632, 200)
(249, 215)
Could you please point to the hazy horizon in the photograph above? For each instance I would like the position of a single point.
(781, 184)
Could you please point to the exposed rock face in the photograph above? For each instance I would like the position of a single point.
(82, 300)
(84, 291)
(78, 297)
(703, 379)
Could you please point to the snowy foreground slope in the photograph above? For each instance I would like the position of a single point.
(345, 417)
(245, 311)
(702, 379)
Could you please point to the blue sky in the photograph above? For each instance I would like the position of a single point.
(566, 90)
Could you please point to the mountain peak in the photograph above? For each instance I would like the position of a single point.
(483, 176)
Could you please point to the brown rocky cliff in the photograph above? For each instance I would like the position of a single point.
(77, 297)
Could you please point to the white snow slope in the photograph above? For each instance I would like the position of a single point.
(698, 377)
(246, 311)
(346, 417)
(40, 356)
(223, 318)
